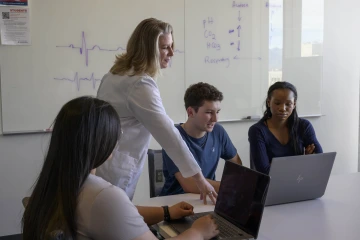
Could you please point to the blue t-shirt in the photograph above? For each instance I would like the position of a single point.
(206, 150)
(264, 146)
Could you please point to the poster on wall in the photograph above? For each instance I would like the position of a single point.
(14, 26)
(14, 2)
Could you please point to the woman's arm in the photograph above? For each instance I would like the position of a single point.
(153, 215)
(113, 216)
(310, 137)
(145, 103)
(189, 185)
(258, 153)
(203, 228)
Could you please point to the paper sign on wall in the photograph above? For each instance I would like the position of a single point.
(14, 26)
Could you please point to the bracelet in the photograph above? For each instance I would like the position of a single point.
(166, 213)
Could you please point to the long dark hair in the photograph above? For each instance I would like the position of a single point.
(293, 120)
(84, 135)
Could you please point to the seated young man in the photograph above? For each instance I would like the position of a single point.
(207, 140)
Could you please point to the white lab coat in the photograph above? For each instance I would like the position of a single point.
(137, 101)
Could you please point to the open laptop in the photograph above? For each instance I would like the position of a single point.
(299, 178)
(239, 206)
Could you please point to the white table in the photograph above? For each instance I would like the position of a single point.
(334, 216)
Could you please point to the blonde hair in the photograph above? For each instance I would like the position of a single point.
(142, 51)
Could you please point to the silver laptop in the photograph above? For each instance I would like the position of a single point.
(299, 178)
(239, 206)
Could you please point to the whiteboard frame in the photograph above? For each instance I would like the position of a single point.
(220, 121)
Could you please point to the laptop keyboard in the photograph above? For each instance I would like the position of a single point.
(226, 228)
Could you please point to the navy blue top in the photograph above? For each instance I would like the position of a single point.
(207, 151)
(264, 146)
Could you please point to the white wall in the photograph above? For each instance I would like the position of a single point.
(21, 156)
(338, 130)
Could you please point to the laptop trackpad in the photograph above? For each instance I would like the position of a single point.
(181, 225)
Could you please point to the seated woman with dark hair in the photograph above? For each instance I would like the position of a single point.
(280, 132)
(69, 197)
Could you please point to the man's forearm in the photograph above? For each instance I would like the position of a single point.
(189, 185)
(236, 159)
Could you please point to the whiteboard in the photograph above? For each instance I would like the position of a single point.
(227, 46)
(74, 44)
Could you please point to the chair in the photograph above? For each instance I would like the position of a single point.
(252, 165)
(25, 201)
(156, 176)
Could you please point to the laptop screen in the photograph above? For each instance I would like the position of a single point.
(242, 196)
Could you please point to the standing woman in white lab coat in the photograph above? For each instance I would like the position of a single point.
(131, 89)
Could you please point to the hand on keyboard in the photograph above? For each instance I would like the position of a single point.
(206, 226)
